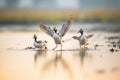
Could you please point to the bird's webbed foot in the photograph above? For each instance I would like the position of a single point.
(45, 48)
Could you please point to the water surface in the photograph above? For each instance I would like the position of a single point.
(18, 63)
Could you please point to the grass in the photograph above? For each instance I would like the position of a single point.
(35, 16)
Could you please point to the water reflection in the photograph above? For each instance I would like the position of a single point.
(55, 64)
(82, 55)
(39, 54)
(58, 65)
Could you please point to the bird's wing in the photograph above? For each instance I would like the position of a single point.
(75, 37)
(39, 41)
(89, 36)
(46, 29)
(65, 28)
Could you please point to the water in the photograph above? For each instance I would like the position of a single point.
(111, 27)
(18, 63)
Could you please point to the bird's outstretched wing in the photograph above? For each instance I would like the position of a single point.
(89, 36)
(46, 29)
(65, 28)
(75, 37)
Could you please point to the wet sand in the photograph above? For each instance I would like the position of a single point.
(98, 62)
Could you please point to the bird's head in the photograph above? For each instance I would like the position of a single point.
(81, 31)
(55, 29)
(35, 37)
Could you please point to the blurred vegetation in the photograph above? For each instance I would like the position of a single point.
(34, 16)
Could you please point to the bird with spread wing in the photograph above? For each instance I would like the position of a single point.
(57, 36)
(82, 38)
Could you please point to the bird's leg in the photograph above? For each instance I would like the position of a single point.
(55, 47)
(61, 46)
(61, 43)
(80, 46)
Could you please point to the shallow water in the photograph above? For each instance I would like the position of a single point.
(18, 63)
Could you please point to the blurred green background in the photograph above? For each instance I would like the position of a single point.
(55, 11)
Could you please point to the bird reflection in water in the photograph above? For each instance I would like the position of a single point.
(38, 55)
(56, 64)
(82, 54)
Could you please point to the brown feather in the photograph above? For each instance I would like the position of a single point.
(46, 29)
(89, 36)
(75, 37)
(66, 27)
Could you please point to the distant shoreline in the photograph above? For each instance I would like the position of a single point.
(104, 27)
(35, 16)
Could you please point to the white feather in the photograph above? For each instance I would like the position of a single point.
(57, 36)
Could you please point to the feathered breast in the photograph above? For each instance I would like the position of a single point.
(57, 38)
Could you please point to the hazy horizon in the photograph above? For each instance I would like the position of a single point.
(60, 4)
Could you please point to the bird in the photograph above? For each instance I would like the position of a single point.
(39, 44)
(83, 39)
(57, 36)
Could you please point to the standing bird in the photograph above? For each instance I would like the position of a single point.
(39, 44)
(82, 38)
(54, 33)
